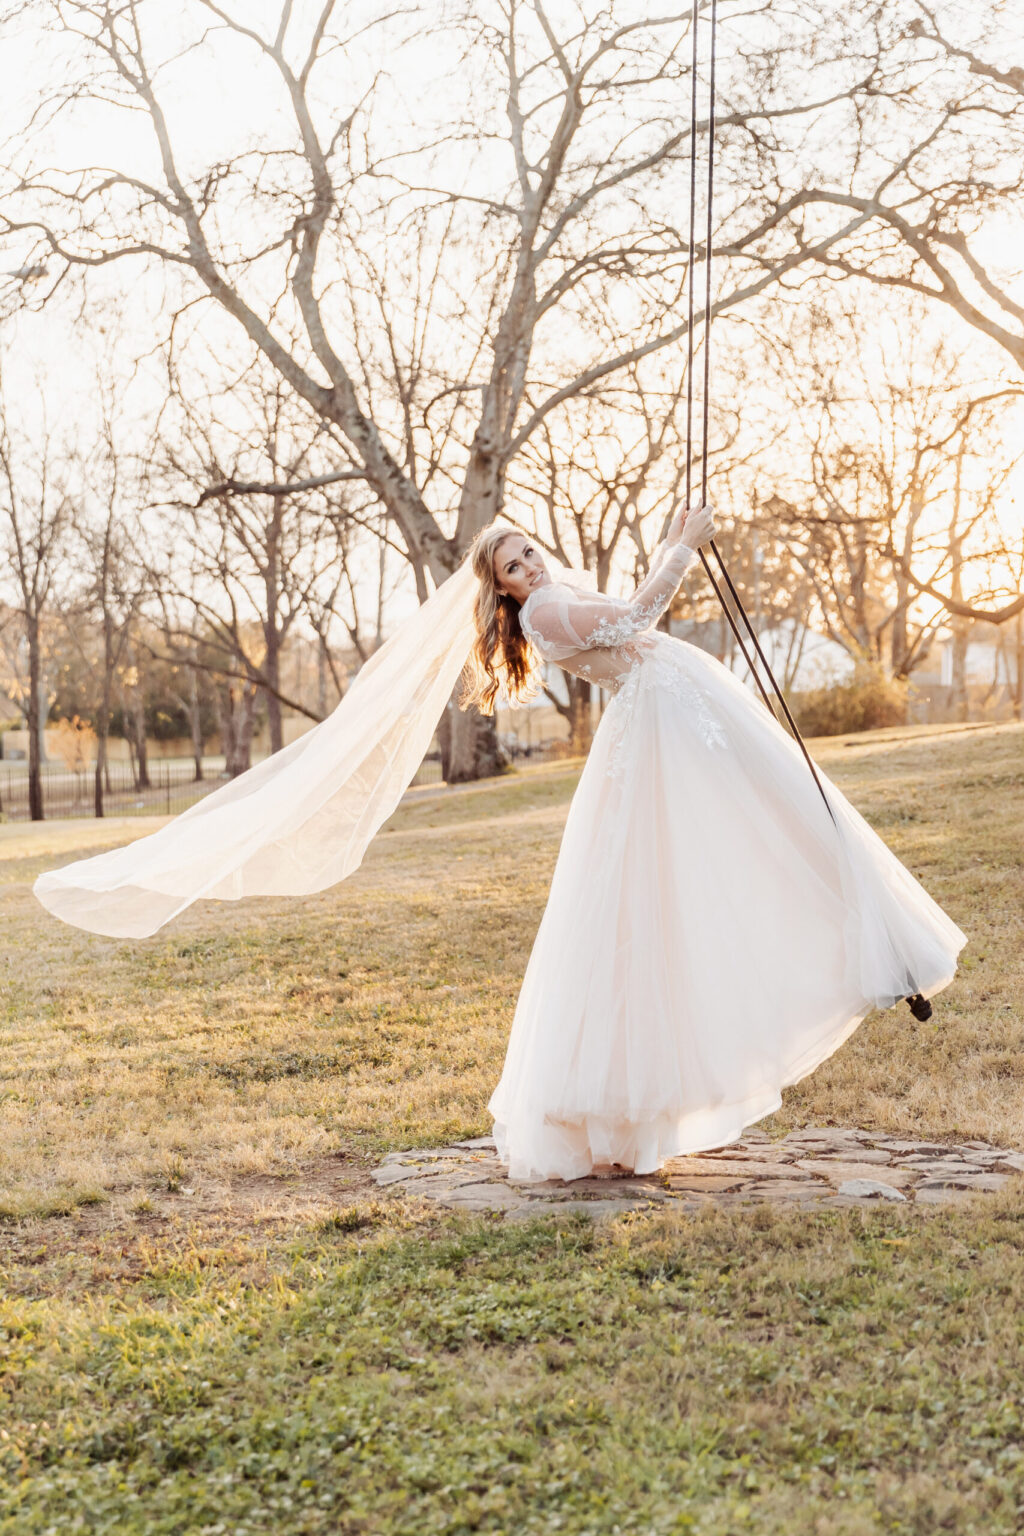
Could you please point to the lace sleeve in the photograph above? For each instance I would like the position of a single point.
(562, 621)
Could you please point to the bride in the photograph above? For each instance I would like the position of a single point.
(711, 934)
(714, 930)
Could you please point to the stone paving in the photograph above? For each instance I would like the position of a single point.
(820, 1166)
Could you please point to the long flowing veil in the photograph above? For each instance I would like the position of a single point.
(301, 820)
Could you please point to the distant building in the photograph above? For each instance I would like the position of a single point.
(993, 664)
(992, 656)
(799, 656)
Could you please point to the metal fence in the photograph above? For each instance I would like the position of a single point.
(172, 788)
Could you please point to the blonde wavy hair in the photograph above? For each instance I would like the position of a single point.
(502, 659)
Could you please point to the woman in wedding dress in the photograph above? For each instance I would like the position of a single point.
(713, 929)
(711, 934)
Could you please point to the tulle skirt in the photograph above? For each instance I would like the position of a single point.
(710, 935)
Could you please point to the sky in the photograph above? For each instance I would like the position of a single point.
(222, 97)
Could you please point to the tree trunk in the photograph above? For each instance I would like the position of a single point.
(274, 721)
(138, 718)
(102, 772)
(321, 676)
(959, 625)
(98, 772)
(34, 723)
(444, 739)
(44, 711)
(225, 710)
(473, 751)
(195, 725)
(244, 732)
(271, 629)
(581, 730)
(237, 720)
(958, 694)
(468, 742)
(272, 672)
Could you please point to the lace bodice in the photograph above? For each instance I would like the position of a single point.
(598, 637)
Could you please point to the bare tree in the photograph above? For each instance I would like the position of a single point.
(258, 522)
(567, 227)
(113, 571)
(923, 160)
(190, 700)
(876, 439)
(35, 514)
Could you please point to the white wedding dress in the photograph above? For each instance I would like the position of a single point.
(711, 935)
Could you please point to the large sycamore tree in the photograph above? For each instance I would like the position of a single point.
(456, 219)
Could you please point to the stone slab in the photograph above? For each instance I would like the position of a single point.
(599, 1189)
(970, 1181)
(853, 1151)
(493, 1197)
(788, 1190)
(819, 1166)
(707, 1183)
(869, 1189)
(747, 1168)
(395, 1173)
(825, 1133)
(931, 1168)
(424, 1172)
(900, 1145)
(944, 1194)
(741, 1148)
(838, 1173)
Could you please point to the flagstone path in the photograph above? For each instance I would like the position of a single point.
(821, 1166)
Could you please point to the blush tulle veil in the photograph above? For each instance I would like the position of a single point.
(301, 820)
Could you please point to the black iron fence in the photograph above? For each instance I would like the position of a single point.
(172, 788)
(66, 793)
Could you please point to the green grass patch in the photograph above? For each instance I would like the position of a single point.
(226, 1333)
(784, 1373)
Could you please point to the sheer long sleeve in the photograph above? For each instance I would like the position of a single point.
(562, 620)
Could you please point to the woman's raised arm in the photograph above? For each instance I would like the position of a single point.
(564, 620)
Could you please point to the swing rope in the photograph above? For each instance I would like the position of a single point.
(706, 403)
(920, 1007)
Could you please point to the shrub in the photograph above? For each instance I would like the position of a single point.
(868, 699)
(74, 741)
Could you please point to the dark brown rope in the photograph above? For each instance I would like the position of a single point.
(706, 403)
(691, 264)
(920, 1007)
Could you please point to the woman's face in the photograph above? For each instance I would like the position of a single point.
(519, 567)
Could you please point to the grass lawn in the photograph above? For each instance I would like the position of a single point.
(211, 1323)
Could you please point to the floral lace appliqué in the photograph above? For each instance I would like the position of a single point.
(616, 631)
(690, 694)
(620, 712)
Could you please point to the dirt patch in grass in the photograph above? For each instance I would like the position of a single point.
(111, 1243)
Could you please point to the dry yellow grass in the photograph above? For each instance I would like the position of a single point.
(259, 1037)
